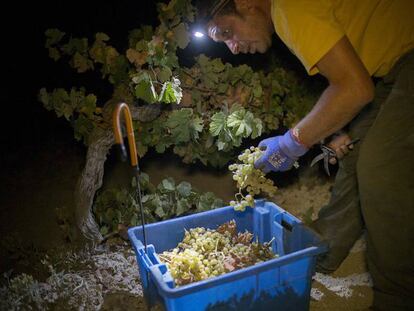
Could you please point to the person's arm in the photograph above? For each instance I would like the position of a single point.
(350, 89)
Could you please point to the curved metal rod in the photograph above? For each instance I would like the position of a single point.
(130, 132)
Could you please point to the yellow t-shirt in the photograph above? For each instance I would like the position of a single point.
(380, 30)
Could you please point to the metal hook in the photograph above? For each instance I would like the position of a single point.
(132, 150)
(130, 132)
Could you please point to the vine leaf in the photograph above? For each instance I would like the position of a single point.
(184, 188)
(181, 36)
(167, 184)
(89, 105)
(53, 37)
(136, 57)
(244, 124)
(81, 63)
(100, 36)
(159, 211)
(171, 92)
(182, 206)
(167, 94)
(196, 127)
(54, 54)
(145, 90)
(165, 74)
(218, 123)
(184, 126)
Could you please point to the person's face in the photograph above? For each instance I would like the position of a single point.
(249, 32)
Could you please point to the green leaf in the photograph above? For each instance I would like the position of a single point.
(181, 125)
(218, 123)
(223, 87)
(171, 92)
(53, 36)
(164, 74)
(76, 45)
(167, 184)
(81, 63)
(54, 54)
(159, 211)
(145, 198)
(142, 46)
(208, 201)
(257, 91)
(167, 94)
(89, 105)
(184, 188)
(104, 230)
(83, 127)
(144, 180)
(237, 121)
(100, 36)
(196, 127)
(221, 145)
(181, 35)
(145, 90)
(243, 123)
(203, 61)
(217, 65)
(257, 128)
(142, 149)
(160, 148)
(210, 79)
(182, 206)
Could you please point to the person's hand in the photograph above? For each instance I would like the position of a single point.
(280, 153)
(339, 145)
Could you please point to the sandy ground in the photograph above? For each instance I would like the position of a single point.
(47, 181)
(348, 288)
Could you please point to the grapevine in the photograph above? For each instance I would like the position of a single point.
(206, 253)
(249, 179)
(204, 111)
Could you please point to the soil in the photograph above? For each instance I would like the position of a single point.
(36, 187)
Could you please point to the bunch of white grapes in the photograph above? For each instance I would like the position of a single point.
(206, 253)
(250, 181)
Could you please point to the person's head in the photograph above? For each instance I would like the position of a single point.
(245, 26)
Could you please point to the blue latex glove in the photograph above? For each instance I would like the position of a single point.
(280, 153)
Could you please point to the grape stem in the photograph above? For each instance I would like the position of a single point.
(239, 194)
(270, 242)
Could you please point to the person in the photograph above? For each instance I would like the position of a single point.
(351, 43)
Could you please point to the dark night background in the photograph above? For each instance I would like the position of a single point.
(27, 67)
(39, 155)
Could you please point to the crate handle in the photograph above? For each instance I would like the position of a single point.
(288, 226)
(159, 276)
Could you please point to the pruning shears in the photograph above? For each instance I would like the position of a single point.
(327, 154)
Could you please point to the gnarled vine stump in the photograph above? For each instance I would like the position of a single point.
(100, 142)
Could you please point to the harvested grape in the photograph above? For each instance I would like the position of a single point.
(205, 253)
(249, 179)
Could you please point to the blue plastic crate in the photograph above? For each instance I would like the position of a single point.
(282, 283)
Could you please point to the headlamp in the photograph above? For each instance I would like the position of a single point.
(199, 29)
